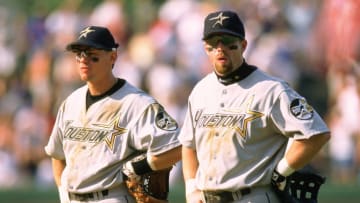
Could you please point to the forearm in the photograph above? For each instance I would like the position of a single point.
(190, 166)
(190, 163)
(301, 152)
(58, 167)
(166, 159)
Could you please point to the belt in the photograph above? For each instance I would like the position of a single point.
(225, 196)
(88, 196)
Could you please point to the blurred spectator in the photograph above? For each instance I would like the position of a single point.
(337, 46)
(9, 173)
(110, 14)
(344, 124)
(31, 130)
(163, 82)
(7, 51)
(37, 75)
(65, 78)
(160, 52)
(61, 24)
(134, 62)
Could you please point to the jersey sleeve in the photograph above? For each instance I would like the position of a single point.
(294, 117)
(54, 147)
(155, 131)
(186, 136)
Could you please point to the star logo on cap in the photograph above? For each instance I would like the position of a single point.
(219, 19)
(85, 32)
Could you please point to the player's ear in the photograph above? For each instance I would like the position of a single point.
(243, 44)
(207, 48)
(113, 56)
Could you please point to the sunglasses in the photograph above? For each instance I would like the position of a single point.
(85, 54)
(226, 40)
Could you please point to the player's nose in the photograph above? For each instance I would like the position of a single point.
(83, 59)
(220, 47)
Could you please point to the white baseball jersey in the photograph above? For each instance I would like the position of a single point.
(240, 130)
(97, 141)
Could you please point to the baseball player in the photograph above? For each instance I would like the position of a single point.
(103, 124)
(238, 124)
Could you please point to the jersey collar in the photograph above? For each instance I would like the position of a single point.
(90, 99)
(240, 73)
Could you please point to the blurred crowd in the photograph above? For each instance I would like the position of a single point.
(313, 45)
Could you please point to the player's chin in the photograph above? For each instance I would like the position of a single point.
(223, 70)
(223, 64)
(84, 77)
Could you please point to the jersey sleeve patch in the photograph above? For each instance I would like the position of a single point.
(301, 109)
(165, 122)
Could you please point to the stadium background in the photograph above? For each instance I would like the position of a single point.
(161, 52)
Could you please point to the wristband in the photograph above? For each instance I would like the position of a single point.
(190, 186)
(284, 168)
(141, 167)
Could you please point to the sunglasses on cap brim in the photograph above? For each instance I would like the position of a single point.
(85, 54)
(224, 39)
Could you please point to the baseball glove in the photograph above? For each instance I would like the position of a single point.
(300, 187)
(150, 187)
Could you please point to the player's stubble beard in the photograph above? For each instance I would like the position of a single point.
(228, 61)
(223, 69)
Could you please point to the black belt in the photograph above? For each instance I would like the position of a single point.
(88, 196)
(225, 196)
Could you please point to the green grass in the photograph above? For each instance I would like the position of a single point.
(339, 193)
(29, 195)
(329, 193)
(50, 195)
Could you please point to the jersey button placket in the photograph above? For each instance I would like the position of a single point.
(223, 94)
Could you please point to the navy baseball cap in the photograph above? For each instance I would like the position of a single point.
(95, 37)
(223, 22)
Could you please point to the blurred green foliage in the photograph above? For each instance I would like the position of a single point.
(140, 14)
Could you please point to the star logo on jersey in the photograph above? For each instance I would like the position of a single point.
(116, 131)
(219, 19)
(85, 32)
(233, 119)
(249, 116)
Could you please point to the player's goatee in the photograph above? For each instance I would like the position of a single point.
(223, 70)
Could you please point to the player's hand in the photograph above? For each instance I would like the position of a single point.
(129, 171)
(195, 197)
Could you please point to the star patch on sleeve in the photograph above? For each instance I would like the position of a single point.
(165, 122)
(301, 109)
